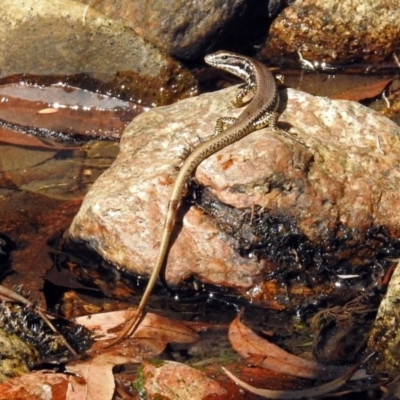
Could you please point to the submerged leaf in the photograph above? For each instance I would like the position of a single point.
(313, 392)
(260, 352)
(362, 92)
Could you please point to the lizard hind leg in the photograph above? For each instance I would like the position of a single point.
(270, 120)
(185, 153)
(267, 119)
(222, 124)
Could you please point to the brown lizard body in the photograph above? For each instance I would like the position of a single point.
(261, 112)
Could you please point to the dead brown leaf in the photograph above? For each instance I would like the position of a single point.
(66, 109)
(152, 327)
(15, 138)
(94, 379)
(313, 392)
(260, 352)
(362, 92)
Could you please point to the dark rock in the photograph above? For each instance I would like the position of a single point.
(186, 29)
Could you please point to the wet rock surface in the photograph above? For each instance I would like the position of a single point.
(335, 32)
(66, 39)
(322, 31)
(179, 381)
(280, 223)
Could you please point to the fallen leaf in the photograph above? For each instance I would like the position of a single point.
(362, 92)
(312, 392)
(173, 380)
(10, 136)
(94, 379)
(152, 326)
(262, 353)
(66, 109)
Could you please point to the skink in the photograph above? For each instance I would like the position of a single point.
(260, 113)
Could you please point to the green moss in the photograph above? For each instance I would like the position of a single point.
(138, 383)
(156, 362)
